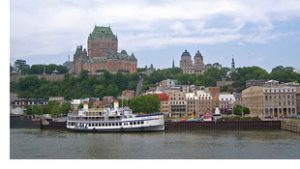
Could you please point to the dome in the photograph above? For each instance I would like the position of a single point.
(198, 55)
(186, 53)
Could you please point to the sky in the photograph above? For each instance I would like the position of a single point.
(253, 32)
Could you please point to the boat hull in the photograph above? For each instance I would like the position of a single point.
(139, 129)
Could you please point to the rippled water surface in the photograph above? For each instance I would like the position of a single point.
(60, 144)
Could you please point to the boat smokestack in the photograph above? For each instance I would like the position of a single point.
(85, 105)
(116, 104)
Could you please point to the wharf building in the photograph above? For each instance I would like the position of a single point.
(189, 67)
(271, 100)
(102, 54)
(192, 103)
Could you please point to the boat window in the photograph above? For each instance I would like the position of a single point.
(120, 124)
(142, 122)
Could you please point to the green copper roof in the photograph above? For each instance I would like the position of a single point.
(101, 32)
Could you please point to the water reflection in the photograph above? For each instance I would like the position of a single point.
(60, 144)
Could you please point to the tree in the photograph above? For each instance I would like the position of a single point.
(80, 106)
(37, 69)
(22, 67)
(55, 110)
(65, 108)
(240, 110)
(241, 75)
(28, 110)
(284, 74)
(90, 104)
(37, 109)
(144, 104)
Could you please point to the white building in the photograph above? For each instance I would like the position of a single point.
(226, 102)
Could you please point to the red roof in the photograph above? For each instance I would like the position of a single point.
(162, 96)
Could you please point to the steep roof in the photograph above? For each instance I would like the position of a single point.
(102, 32)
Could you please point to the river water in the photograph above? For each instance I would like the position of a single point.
(61, 144)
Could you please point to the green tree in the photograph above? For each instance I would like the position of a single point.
(65, 108)
(37, 69)
(22, 67)
(145, 104)
(241, 75)
(240, 110)
(80, 106)
(37, 109)
(284, 74)
(28, 110)
(90, 104)
(55, 110)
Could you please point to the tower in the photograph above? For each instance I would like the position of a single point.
(232, 65)
(186, 63)
(199, 66)
(101, 42)
(173, 65)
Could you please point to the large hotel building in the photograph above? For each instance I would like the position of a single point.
(102, 54)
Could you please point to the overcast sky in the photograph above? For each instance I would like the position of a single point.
(254, 32)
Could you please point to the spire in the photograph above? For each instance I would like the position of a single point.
(232, 64)
(173, 65)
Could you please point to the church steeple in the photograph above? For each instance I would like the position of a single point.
(173, 65)
(232, 64)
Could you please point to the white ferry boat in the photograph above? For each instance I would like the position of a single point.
(114, 120)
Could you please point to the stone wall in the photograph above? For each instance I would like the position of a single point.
(291, 125)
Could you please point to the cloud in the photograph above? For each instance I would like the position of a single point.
(55, 26)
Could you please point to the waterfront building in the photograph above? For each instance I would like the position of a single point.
(298, 99)
(164, 103)
(226, 103)
(215, 93)
(198, 103)
(177, 104)
(188, 66)
(102, 54)
(271, 100)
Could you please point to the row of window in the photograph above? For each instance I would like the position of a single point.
(274, 97)
(278, 90)
(110, 124)
(86, 118)
(177, 102)
(180, 98)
